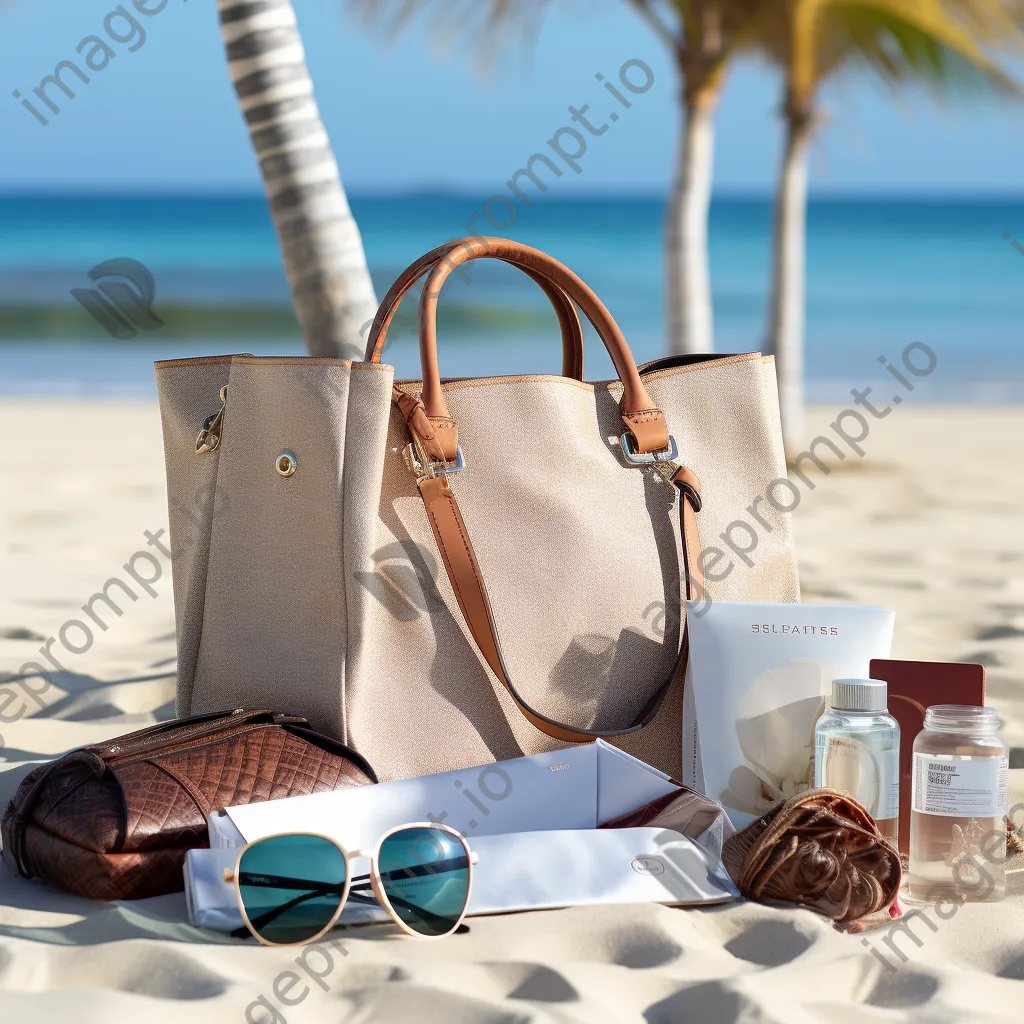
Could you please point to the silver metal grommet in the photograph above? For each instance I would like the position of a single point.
(285, 463)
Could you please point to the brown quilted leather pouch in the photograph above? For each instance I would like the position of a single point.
(114, 821)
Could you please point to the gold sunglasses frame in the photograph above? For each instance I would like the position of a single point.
(376, 882)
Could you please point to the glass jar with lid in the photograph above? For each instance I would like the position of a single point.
(958, 806)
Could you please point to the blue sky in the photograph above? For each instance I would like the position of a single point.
(416, 115)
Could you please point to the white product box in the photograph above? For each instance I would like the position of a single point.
(533, 821)
(756, 683)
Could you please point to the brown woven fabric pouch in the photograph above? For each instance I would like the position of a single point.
(114, 821)
(821, 850)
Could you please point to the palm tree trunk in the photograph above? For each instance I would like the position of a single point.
(320, 242)
(789, 266)
(688, 288)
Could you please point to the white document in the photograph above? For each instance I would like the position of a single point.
(522, 871)
(756, 684)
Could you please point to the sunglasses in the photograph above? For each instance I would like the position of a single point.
(291, 888)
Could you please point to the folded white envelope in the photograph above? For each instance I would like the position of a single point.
(533, 820)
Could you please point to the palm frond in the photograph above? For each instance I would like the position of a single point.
(661, 23)
(950, 45)
(485, 22)
(899, 49)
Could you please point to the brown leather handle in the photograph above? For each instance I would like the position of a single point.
(568, 318)
(639, 414)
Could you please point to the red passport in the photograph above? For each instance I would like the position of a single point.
(914, 686)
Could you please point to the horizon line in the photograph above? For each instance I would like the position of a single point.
(913, 194)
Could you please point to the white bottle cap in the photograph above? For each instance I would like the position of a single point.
(860, 695)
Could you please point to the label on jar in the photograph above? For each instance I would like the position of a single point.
(960, 787)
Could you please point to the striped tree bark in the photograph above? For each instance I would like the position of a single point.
(320, 241)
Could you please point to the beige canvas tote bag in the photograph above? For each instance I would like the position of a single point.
(449, 572)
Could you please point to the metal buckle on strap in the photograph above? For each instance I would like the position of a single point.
(422, 465)
(663, 463)
(637, 458)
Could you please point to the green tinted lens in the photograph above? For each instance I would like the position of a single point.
(425, 876)
(291, 886)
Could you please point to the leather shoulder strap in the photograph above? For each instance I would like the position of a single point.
(463, 569)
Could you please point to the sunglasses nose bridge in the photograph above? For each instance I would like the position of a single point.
(353, 854)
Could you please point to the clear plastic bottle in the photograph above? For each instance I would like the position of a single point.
(958, 807)
(857, 750)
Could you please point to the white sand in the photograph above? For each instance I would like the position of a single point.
(928, 523)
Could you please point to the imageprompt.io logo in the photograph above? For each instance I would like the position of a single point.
(122, 301)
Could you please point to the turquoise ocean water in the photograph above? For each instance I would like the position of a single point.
(882, 273)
